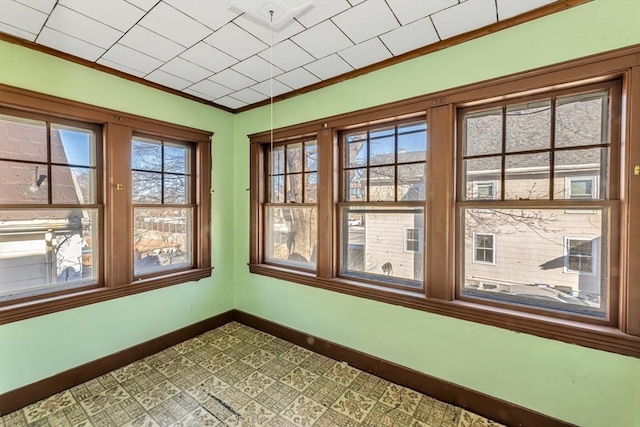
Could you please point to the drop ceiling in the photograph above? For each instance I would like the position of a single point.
(207, 49)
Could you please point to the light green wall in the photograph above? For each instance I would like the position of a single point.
(583, 386)
(43, 346)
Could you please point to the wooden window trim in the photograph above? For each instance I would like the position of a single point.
(621, 336)
(118, 128)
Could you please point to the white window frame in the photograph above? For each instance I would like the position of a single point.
(492, 183)
(473, 249)
(405, 240)
(569, 179)
(594, 256)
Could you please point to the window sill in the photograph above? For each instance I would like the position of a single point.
(52, 304)
(604, 338)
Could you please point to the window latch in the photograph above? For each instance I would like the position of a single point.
(636, 170)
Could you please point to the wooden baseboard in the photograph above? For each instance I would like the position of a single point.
(31, 393)
(490, 407)
(487, 406)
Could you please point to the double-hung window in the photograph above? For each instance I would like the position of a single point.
(96, 205)
(546, 154)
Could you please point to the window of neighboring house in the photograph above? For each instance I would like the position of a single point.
(388, 163)
(72, 230)
(291, 211)
(529, 148)
(51, 201)
(163, 208)
(580, 255)
(485, 190)
(484, 246)
(412, 240)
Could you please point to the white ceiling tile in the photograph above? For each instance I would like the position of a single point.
(235, 41)
(131, 58)
(82, 27)
(321, 10)
(213, 14)
(120, 67)
(175, 25)
(411, 10)
(366, 53)
(298, 78)
(412, 36)
(230, 102)
(145, 5)
(232, 79)
(65, 43)
(44, 6)
(167, 79)
(265, 88)
(186, 70)
(263, 32)
(510, 8)
(467, 16)
(256, 68)
(6, 28)
(249, 96)
(322, 40)
(143, 40)
(287, 55)
(115, 13)
(208, 57)
(366, 20)
(328, 67)
(197, 94)
(211, 89)
(22, 17)
(355, 2)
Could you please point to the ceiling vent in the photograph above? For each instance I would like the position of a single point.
(283, 10)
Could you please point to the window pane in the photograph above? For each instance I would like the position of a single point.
(23, 139)
(294, 158)
(529, 127)
(356, 150)
(277, 189)
(381, 184)
(73, 185)
(176, 189)
(543, 257)
(382, 151)
(311, 156)
(580, 120)
(580, 174)
(23, 183)
(357, 185)
(147, 187)
(375, 247)
(483, 133)
(483, 170)
(277, 161)
(47, 250)
(311, 188)
(292, 236)
(294, 188)
(527, 176)
(162, 239)
(72, 145)
(146, 154)
(412, 147)
(411, 182)
(176, 158)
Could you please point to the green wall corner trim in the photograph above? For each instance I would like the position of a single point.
(490, 407)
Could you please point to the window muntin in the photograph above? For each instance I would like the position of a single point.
(291, 211)
(537, 155)
(163, 211)
(383, 166)
(484, 247)
(50, 197)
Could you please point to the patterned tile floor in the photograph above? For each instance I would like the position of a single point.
(237, 376)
